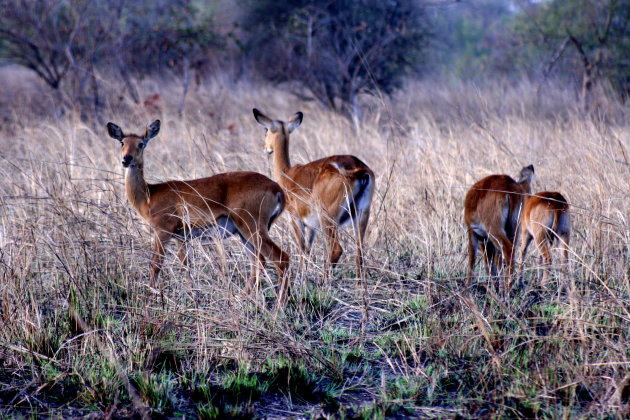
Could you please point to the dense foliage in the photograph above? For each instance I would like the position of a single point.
(589, 39)
(67, 42)
(337, 49)
(327, 50)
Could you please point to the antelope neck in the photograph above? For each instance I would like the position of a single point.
(525, 185)
(281, 162)
(137, 190)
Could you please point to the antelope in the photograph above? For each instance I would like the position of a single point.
(491, 212)
(233, 203)
(545, 217)
(327, 194)
(153, 104)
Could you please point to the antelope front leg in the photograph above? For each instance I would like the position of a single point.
(160, 240)
(299, 230)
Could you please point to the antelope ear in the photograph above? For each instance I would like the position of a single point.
(295, 121)
(527, 173)
(152, 130)
(115, 132)
(264, 120)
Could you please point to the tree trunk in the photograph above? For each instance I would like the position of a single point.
(588, 76)
(185, 86)
(131, 88)
(587, 84)
(95, 92)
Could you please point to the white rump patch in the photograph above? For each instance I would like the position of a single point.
(337, 166)
(564, 224)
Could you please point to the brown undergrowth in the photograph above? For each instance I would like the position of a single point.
(82, 334)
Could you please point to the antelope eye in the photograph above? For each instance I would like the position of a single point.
(140, 145)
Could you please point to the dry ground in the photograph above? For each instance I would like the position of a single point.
(81, 333)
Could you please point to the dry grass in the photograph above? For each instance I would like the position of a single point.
(82, 333)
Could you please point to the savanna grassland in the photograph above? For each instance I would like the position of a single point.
(81, 333)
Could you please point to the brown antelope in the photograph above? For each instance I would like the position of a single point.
(545, 217)
(241, 203)
(327, 194)
(153, 104)
(491, 213)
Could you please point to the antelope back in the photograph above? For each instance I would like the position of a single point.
(548, 212)
(494, 203)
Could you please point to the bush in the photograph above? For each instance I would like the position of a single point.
(66, 42)
(336, 49)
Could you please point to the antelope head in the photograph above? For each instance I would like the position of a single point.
(277, 134)
(132, 144)
(527, 177)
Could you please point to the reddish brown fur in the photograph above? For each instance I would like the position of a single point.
(491, 210)
(249, 200)
(319, 189)
(545, 217)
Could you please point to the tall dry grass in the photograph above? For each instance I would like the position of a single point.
(81, 331)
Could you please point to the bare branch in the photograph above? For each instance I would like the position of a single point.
(578, 46)
(556, 56)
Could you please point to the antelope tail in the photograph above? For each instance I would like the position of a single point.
(281, 201)
(362, 186)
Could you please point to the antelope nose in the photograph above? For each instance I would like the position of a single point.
(126, 160)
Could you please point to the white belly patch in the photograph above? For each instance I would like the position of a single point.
(311, 221)
(479, 229)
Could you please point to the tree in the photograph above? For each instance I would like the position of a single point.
(470, 38)
(55, 38)
(168, 35)
(66, 42)
(596, 31)
(336, 49)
